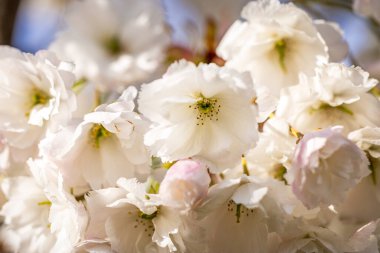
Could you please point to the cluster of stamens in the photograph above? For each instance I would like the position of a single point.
(324, 106)
(239, 210)
(113, 46)
(281, 48)
(97, 133)
(144, 221)
(206, 109)
(39, 97)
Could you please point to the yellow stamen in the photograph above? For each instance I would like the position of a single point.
(97, 133)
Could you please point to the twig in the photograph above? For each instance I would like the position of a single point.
(8, 11)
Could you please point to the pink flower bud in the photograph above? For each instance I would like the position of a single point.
(326, 166)
(185, 184)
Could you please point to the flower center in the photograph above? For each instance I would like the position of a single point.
(327, 107)
(113, 45)
(97, 133)
(148, 216)
(278, 172)
(239, 210)
(206, 109)
(144, 223)
(39, 97)
(280, 47)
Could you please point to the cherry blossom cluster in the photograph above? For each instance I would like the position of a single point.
(259, 141)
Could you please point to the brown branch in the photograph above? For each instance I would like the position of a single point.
(8, 11)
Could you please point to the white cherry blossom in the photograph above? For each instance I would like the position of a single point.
(336, 95)
(26, 216)
(107, 145)
(40, 216)
(130, 219)
(203, 111)
(34, 98)
(233, 217)
(67, 216)
(114, 43)
(274, 42)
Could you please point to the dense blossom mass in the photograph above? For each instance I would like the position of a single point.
(261, 141)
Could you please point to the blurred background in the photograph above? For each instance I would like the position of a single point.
(31, 25)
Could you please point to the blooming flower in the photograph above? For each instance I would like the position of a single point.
(232, 217)
(34, 98)
(202, 111)
(274, 42)
(325, 166)
(67, 216)
(26, 216)
(131, 221)
(337, 95)
(107, 145)
(39, 215)
(114, 43)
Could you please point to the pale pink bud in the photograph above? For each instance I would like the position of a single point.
(185, 184)
(326, 165)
